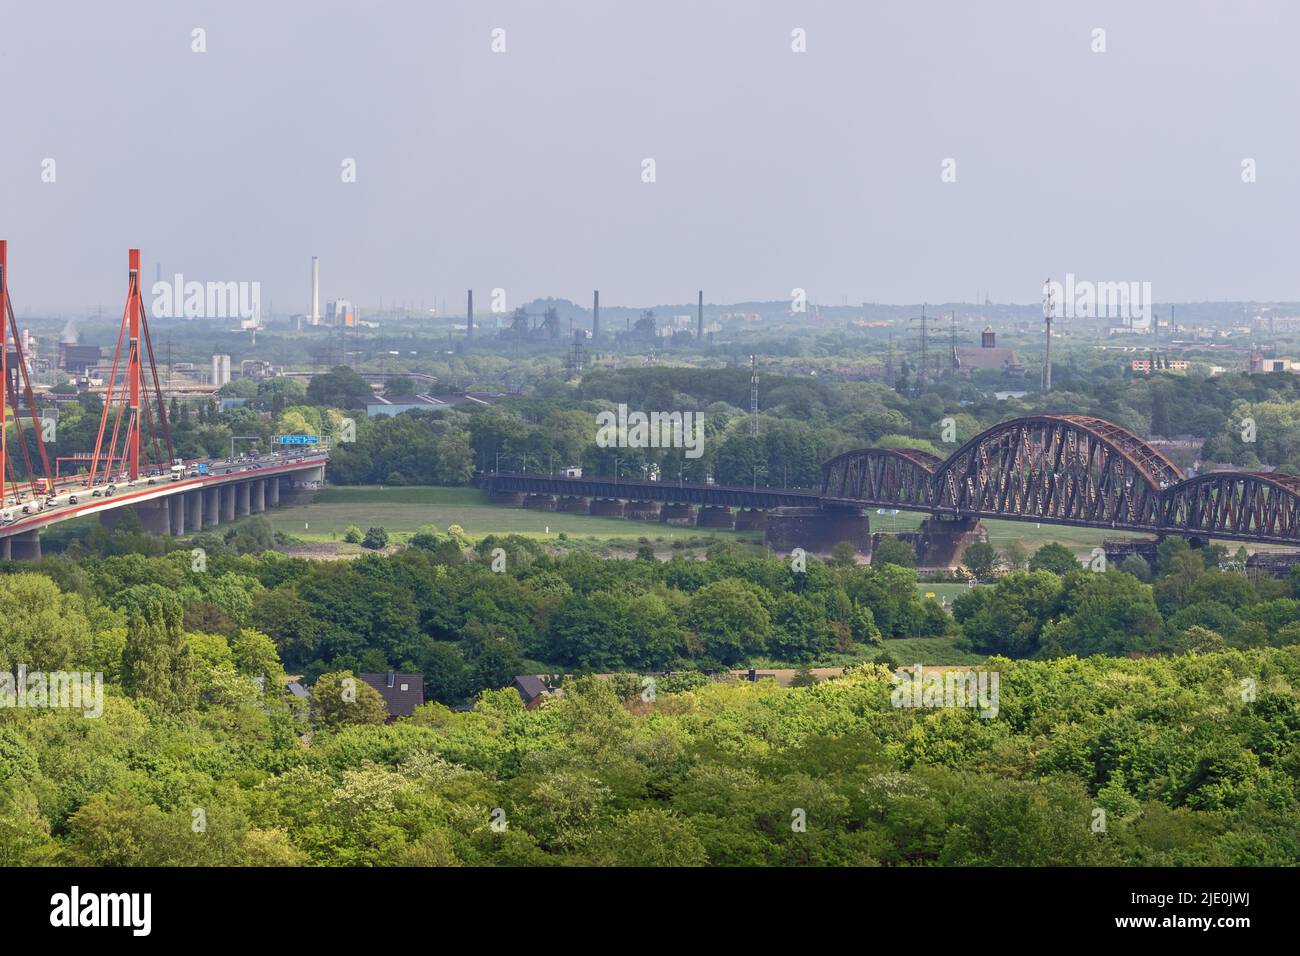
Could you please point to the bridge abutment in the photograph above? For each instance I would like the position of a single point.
(751, 519)
(817, 530)
(607, 507)
(573, 505)
(540, 502)
(715, 516)
(942, 542)
(511, 498)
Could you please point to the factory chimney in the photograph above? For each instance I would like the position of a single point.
(699, 321)
(314, 318)
(469, 316)
(595, 315)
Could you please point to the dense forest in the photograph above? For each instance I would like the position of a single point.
(1088, 762)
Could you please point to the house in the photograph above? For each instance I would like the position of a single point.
(402, 693)
(532, 689)
(988, 357)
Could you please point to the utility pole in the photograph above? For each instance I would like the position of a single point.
(753, 397)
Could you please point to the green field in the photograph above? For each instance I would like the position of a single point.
(401, 510)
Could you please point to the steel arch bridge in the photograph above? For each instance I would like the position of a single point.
(1072, 470)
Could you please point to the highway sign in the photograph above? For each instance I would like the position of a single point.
(299, 439)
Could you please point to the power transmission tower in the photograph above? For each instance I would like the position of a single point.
(922, 372)
(1049, 308)
(753, 397)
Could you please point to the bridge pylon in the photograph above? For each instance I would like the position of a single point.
(138, 412)
(15, 372)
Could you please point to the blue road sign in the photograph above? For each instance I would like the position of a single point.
(299, 439)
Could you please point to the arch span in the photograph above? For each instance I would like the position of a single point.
(1073, 469)
(899, 476)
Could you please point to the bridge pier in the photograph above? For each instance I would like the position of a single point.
(176, 514)
(242, 499)
(155, 516)
(539, 502)
(194, 510)
(751, 519)
(817, 530)
(677, 514)
(211, 498)
(573, 505)
(607, 507)
(273, 491)
(257, 496)
(715, 516)
(227, 502)
(23, 547)
(513, 499)
(642, 510)
(942, 542)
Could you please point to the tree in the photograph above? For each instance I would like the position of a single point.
(1054, 557)
(1008, 617)
(895, 551)
(844, 555)
(43, 629)
(980, 559)
(352, 534)
(156, 663)
(1137, 566)
(340, 387)
(650, 837)
(341, 699)
(1107, 613)
(728, 620)
(376, 539)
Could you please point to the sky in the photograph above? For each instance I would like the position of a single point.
(523, 170)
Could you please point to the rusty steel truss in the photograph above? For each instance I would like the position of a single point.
(1069, 469)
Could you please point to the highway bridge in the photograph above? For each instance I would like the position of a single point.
(232, 489)
(133, 463)
(1050, 469)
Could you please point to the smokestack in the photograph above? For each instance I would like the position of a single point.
(699, 322)
(595, 316)
(314, 318)
(469, 316)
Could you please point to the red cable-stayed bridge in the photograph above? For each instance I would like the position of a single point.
(132, 463)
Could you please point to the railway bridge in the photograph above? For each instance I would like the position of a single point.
(1071, 470)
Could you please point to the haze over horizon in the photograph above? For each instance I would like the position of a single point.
(774, 169)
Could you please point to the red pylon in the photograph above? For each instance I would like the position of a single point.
(38, 484)
(132, 394)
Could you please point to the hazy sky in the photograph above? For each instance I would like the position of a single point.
(775, 169)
